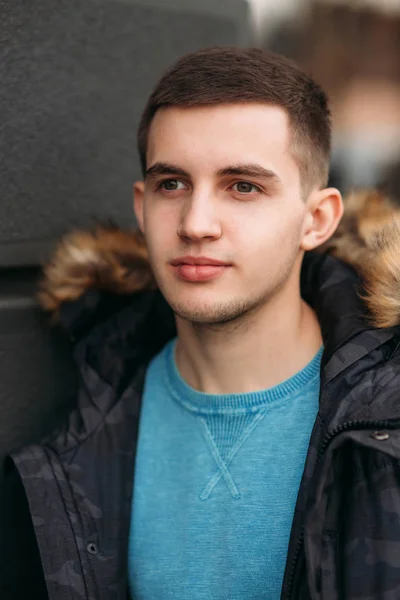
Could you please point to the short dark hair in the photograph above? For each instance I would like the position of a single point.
(225, 75)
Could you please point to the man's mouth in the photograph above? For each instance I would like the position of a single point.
(199, 268)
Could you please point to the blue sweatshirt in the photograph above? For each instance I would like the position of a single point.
(215, 487)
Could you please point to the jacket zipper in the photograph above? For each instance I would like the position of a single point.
(294, 563)
(348, 426)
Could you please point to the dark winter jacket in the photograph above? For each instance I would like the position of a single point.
(345, 539)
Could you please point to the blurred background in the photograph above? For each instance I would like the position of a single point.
(352, 48)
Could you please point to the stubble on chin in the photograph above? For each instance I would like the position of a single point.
(219, 316)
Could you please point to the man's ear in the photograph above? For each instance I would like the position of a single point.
(324, 211)
(138, 203)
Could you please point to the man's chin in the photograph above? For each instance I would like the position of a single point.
(210, 315)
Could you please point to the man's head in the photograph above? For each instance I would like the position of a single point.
(234, 146)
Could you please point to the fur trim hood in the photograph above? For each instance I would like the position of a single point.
(109, 259)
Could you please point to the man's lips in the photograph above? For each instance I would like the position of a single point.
(199, 268)
(198, 261)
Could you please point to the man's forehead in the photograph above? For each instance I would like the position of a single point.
(231, 116)
(219, 137)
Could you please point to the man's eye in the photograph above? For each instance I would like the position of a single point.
(171, 185)
(243, 187)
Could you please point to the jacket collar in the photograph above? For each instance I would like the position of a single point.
(335, 292)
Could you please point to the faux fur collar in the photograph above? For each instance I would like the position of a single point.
(113, 260)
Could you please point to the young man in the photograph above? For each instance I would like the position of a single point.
(234, 437)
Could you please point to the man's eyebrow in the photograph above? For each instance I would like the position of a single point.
(161, 168)
(249, 170)
(241, 170)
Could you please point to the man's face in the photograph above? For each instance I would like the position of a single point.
(221, 209)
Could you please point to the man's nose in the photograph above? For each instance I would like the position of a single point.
(199, 218)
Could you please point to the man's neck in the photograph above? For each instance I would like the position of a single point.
(255, 353)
